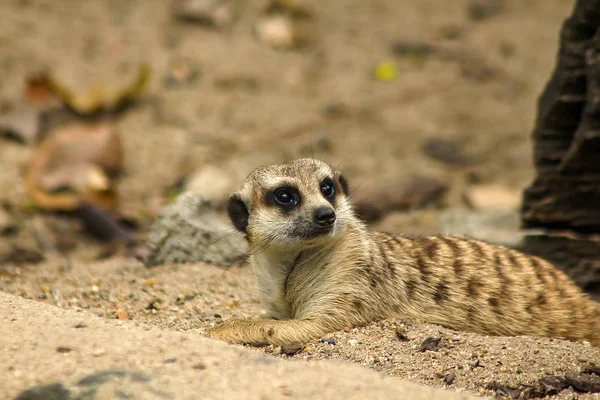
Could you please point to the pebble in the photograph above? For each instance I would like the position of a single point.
(63, 349)
(401, 334)
(330, 341)
(480, 10)
(122, 314)
(212, 13)
(291, 349)
(430, 344)
(98, 352)
(352, 342)
(449, 378)
(445, 150)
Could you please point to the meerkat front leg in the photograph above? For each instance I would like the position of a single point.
(265, 331)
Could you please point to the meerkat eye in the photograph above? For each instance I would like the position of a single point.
(328, 188)
(286, 197)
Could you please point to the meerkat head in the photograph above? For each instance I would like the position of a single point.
(300, 204)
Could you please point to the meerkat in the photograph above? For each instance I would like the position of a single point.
(319, 269)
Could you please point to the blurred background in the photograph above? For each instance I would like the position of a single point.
(426, 106)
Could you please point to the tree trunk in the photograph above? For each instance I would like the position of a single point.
(564, 199)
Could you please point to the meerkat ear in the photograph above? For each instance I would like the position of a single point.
(343, 184)
(238, 212)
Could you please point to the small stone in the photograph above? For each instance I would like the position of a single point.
(430, 344)
(277, 31)
(445, 150)
(291, 349)
(286, 25)
(353, 342)
(122, 314)
(62, 349)
(212, 13)
(346, 329)
(98, 353)
(199, 366)
(169, 360)
(480, 10)
(401, 334)
(330, 341)
(449, 378)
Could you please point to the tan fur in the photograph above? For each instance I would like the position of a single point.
(351, 277)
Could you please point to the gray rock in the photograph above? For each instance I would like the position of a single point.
(188, 231)
(500, 226)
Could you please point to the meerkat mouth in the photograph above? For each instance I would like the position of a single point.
(314, 232)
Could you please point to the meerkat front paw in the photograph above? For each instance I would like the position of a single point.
(238, 331)
(262, 331)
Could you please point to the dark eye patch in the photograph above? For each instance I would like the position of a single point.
(328, 190)
(286, 197)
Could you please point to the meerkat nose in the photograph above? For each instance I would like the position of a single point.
(324, 216)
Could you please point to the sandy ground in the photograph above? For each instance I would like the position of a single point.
(250, 105)
(193, 297)
(104, 359)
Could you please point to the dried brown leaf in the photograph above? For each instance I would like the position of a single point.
(74, 164)
(101, 98)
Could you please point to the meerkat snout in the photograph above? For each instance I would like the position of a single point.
(324, 217)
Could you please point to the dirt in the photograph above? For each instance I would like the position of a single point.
(476, 87)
